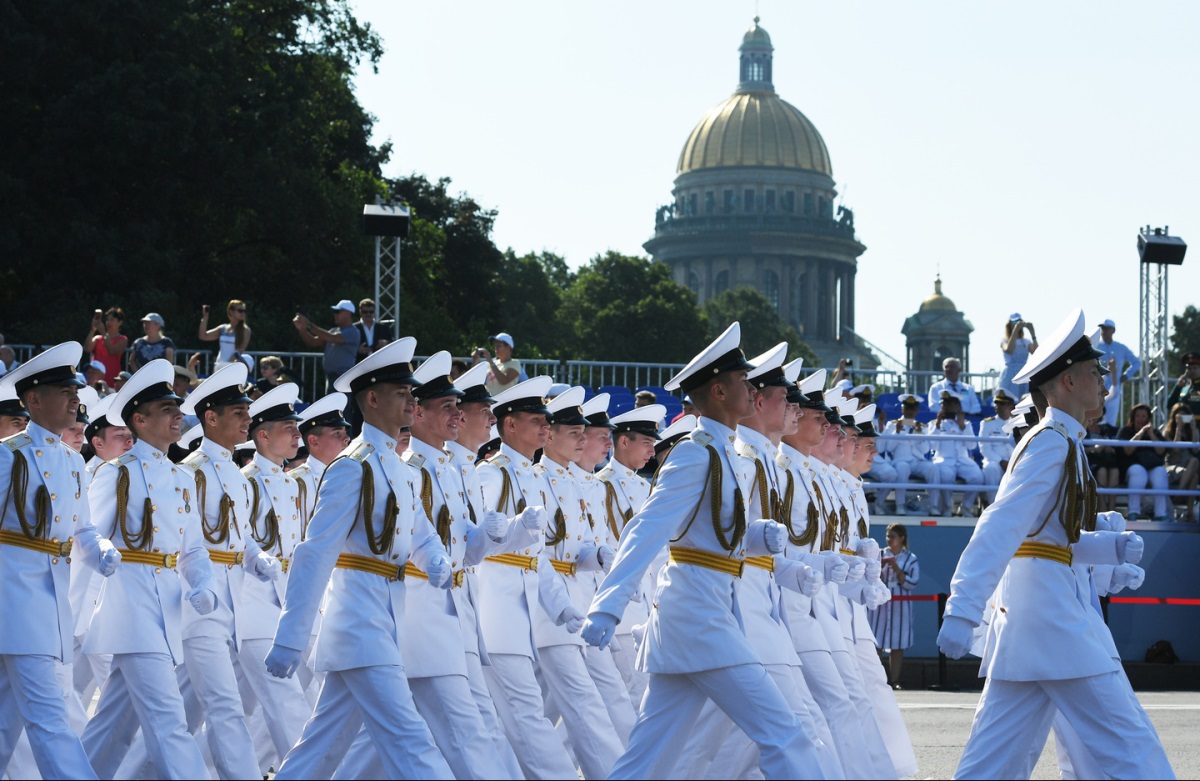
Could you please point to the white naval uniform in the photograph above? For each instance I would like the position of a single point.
(211, 643)
(562, 658)
(951, 459)
(139, 618)
(908, 455)
(359, 645)
(965, 393)
(1042, 648)
(688, 667)
(38, 638)
(284, 706)
(996, 445)
(510, 599)
(89, 671)
(817, 637)
(308, 480)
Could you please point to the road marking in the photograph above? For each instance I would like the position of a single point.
(972, 706)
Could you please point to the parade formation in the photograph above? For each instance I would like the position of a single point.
(418, 612)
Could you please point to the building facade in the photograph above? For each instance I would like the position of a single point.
(936, 332)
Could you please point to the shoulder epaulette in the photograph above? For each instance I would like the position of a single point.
(993, 417)
(361, 452)
(414, 459)
(304, 470)
(606, 474)
(745, 449)
(251, 471)
(782, 460)
(498, 460)
(124, 460)
(701, 437)
(18, 441)
(197, 460)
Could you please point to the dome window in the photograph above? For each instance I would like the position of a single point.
(748, 201)
(771, 288)
(769, 201)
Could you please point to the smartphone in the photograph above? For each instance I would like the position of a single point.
(1185, 418)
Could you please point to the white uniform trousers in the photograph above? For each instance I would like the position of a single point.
(874, 744)
(380, 699)
(887, 712)
(1102, 709)
(718, 749)
(905, 470)
(624, 651)
(40, 723)
(210, 663)
(991, 478)
(746, 693)
(593, 737)
(603, 669)
(970, 473)
(857, 742)
(511, 769)
(89, 671)
(143, 689)
(281, 700)
(519, 706)
(1137, 477)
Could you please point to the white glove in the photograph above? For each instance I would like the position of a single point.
(605, 556)
(267, 569)
(858, 567)
(110, 558)
(638, 633)
(438, 572)
(495, 526)
(1131, 547)
(810, 581)
(599, 630)
(836, 568)
(202, 600)
(1127, 576)
(572, 620)
(1110, 521)
(282, 662)
(868, 548)
(879, 595)
(587, 559)
(872, 568)
(534, 518)
(956, 637)
(774, 537)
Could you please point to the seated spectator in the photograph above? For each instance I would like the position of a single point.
(151, 346)
(1106, 463)
(1187, 387)
(995, 443)
(864, 393)
(882, 469)
(644, 398)
(952, 458)
(907, 455)
(1183, 468)
(952, 368)
(1147, 464)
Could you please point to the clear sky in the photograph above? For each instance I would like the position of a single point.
(1015, 146)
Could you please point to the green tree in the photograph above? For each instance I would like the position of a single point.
(531, 298)
(762, 327)
(1185, 337)
(623, 308)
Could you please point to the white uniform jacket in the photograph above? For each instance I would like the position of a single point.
(995, 445)
(85, 581)
(141, 606)
(624, 493)
(276, 528)
(577, 549)
(308, 479)
(903, 448)
(34, 586)
(947, 450)
(364, 613)
(696, 619)
(803, 542)
(1041, 628)
(510, 597)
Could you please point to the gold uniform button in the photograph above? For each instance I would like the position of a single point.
(53, 561)
(155, 528)
(38, 452)
(179, 510)
(53, 497)
(158, 569)
(47, 474)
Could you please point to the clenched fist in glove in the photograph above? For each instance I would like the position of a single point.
(202, 600)
(1130, 547)
(600, 630)
(774, 537)
(110, 558)
(809, 580)
(495, 526)
(875, 595)
(956, 637)
(533, 518)
(282, 662)
(605, 556)
(837, 569)
(868, 548)
(438, 572)
(268, 569)
(872, 567)
(858, 567)
(571, 619)
(1127, 576)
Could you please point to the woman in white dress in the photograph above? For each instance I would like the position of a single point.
(233, 338)
(892, 621)
(1016, 351)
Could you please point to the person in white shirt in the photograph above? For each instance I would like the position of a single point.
(952, 458)
(1116, 355)
(995, 443)
(952, 368)
(908, 454)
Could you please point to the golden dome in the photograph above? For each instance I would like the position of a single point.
(755, 129)
(937, 301)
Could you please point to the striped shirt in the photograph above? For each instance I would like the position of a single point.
(892, 621)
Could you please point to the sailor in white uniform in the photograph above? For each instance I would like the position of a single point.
(1042, 649)
(908, 455)
(698, 507)
(995, 444)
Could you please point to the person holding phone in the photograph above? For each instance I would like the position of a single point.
(892, 621)
(504, 370)
(105, 342)
(1183, 467)
(1187, 387)
(1016, 348)
(233, 337)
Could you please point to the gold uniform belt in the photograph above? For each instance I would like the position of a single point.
(51, 547)
(283, 563)
(227, 557)
(150, 559)
(368, 564)
(514, 560)
(1044, 550)
(565, 567)
(762, 562)
(703, 558)
(412, 571)
(847, 552)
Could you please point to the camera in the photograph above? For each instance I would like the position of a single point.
(849, 361)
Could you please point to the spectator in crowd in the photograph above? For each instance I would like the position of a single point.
(842, 373)
(1105, 462)
(1187, 387)
(688, 409)
(1121, 355)
(995, 444)
(233, 338)
(340, 342)
(1016, 348)
(458, 367)
(373, 333)
(1147, 464)
(105, 342)
(908, 455)
(4, 364)
(504, 370)
(8, 359)
(644, 398)
(952, 368)
(1183, 468)
(93, 376)
(952, 457)
(152, 345)
(864, 393)
(892, 621)
(122, 378)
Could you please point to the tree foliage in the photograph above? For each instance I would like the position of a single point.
(1185, 337)
(762, 327)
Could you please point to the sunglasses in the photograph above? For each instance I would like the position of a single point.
(242, 310)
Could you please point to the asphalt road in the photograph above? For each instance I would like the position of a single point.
(939, 722)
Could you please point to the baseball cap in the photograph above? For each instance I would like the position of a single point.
(346, 304)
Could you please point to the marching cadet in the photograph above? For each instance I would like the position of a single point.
(13, 415)
(1043, 649)
(44, 513)
(908, 456)
(365, 528)
(275, 525)
(995, 443)
(602, 666)
(74, 437)
(634, 435)
(212, 641)
(150, 503)
(516, 587)
(698, 507)
(324, 433)
(571, 545)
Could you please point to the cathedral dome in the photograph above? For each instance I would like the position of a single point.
(755, 129)
(937, 301)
